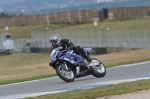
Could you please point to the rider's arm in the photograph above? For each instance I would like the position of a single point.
(71, 45)
(67, 44)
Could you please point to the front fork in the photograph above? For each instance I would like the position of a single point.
(65, 67)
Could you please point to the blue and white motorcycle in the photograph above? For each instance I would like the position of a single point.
(65, 65)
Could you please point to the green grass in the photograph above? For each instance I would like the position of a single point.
(138, 23)
(24, 32)
(130, 24)
(128, 62)
(24, 59)
(26, 79)
(122, 88)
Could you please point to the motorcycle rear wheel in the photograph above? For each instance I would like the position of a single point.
(99, 70)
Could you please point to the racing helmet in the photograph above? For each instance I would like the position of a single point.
(55, 40)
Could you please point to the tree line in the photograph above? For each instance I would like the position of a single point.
(6, 15)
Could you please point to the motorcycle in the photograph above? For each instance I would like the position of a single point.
(65, 63)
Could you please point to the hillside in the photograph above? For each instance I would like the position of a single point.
(48, 6)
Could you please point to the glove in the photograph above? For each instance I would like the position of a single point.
(65, 50)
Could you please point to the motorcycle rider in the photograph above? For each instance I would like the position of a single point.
(68, 45)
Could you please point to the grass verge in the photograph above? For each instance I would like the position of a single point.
(26, 79)
(122, 88)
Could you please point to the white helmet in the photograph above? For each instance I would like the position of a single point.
(55, 38)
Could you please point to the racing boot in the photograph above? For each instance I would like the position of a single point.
(86, 56)
(89, 61)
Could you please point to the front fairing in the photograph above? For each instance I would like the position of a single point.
(53, 55)
(71, 57)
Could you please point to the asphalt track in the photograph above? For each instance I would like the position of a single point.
(55, 84)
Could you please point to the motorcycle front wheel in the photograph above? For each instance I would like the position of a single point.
(66, 75)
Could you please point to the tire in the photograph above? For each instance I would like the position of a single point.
(98, 71)
(63, 74)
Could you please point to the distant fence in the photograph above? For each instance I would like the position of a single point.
(77, 16)
(96, 38)
(127, 12)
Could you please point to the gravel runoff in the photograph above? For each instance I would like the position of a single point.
(145, 94)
